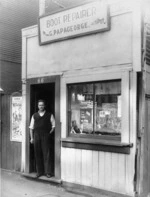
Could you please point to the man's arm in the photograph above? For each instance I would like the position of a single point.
(31, 130)
(31, 136)
(52, 119)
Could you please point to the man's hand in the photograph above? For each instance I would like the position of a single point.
(32, 141)
(51, 131)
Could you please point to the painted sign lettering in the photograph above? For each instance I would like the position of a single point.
(85, 19)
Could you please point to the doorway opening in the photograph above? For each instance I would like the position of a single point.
(45, 92)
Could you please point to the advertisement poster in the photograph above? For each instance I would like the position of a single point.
(16, 117)
(108, 119)
(86, 119)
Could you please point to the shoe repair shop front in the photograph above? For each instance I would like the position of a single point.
(84, 61)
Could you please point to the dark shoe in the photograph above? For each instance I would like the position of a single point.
(38, 175)
(48, 175)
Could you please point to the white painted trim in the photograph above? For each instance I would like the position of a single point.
(30, 31)
(81, 72)
(45, 75)
(130, 159)
(97, 76)
(136, 36)
(24, 76)
(24, 57)
(23, 155)
(125, 107)
(41, 7)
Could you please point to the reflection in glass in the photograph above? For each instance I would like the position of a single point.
(95, 108)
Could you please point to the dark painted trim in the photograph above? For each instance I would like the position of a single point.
(78, 189)
(98, 145)
(43, 80)
(100, 137)
(147, 96)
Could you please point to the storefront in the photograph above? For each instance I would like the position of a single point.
(89, 76)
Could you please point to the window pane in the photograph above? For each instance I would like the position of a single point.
(95, 108)
(81, 108)
(108, 108)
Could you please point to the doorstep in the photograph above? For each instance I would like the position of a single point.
(42, 178)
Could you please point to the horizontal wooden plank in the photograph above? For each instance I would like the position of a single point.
(96, 141)
(97, 147)
(87, 190)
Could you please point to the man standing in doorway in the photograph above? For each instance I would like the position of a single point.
(41, 128)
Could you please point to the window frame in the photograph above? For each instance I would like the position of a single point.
(104, 144)
(93, 136)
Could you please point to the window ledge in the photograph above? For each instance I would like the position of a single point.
(96, 144)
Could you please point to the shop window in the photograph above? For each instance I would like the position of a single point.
(94, 109)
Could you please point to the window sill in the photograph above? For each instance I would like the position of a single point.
(96, 144)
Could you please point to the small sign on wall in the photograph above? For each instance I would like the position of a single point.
(16, 118)
(85, 19)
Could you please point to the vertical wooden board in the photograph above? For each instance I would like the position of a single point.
(7, 152)
(63, 114)
(136, 36)
(148, 122)
(68, 164)
(10, 154)
(6, 131)
(95, 169)
(107, 178)
(17, 156)
(133, 108)
(84, 171)
(125, 107)
(145, 153)
(115, 172)
(78, 165)
(10, 144)
(63, 164)
(129, 160)
(89, 168)
(72, 164)
(101, 169)
(4, 148)
(3, 134)
(122, 173)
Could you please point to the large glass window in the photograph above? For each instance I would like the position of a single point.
(94, 108)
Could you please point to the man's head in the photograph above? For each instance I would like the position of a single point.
(41, 105)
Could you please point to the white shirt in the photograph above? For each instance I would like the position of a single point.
(52, 120)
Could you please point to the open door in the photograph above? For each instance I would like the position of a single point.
(46, 92)
(47, 88)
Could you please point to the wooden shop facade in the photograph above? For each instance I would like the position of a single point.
(88, 64)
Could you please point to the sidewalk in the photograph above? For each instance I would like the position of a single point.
(15, 185)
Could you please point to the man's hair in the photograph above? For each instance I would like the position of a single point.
(42, 100)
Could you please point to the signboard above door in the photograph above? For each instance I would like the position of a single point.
(78, 21)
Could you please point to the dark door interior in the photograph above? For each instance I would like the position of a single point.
(47, 92)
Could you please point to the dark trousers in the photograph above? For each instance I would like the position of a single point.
(42, 149)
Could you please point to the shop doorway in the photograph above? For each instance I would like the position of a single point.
(46, 92)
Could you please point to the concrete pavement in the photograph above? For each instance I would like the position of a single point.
(15, 185)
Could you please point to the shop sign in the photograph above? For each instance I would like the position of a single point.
(86, 19)
(16, 119)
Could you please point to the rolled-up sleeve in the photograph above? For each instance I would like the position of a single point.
(52, 121)
(32, 123)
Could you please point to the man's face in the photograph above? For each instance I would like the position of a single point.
(41, 106)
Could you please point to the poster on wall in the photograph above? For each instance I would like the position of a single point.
(16, 119)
